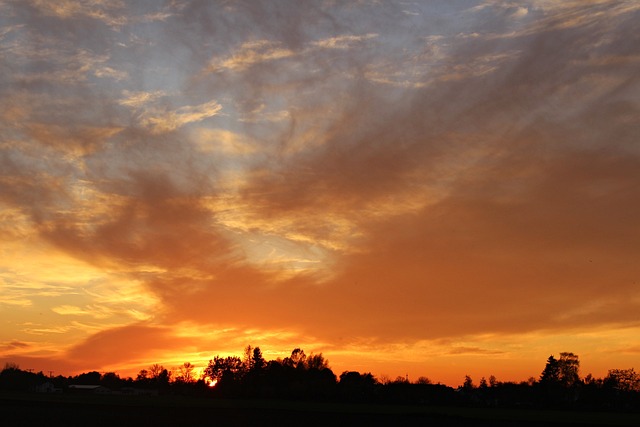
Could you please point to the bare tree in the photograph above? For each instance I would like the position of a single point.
(185, 373)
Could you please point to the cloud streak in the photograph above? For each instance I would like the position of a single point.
(161, 121)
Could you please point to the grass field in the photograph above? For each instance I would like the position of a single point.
(117, 410)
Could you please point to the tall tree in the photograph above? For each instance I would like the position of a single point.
(317, 361)
(297, 359)
(111, 380)
(142, 376)
(248, 358)
(468, 382)
(225, 369)
(569, 369)
(185, 373)
(257, 360)
(551, 372)
(155, 370)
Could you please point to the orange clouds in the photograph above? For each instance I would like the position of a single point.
(401, 187)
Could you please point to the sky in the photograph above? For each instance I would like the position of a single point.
(437, 188)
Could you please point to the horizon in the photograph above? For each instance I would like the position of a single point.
(433, 189)
(199, 372)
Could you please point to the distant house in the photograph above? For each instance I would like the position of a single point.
(47, 387)
(88, 389)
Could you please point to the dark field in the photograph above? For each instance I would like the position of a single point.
(115, 410)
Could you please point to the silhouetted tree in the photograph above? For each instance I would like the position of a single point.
(88, 378)
(227, 369)
(309, 377)
(159, 376)
(111, 380)
(551, 372)
(493, 381)
(185, 373)
(401, 380)
(468, 383)
(569, 367)
(296, 360)
(560, 379)
(254, 372)
(276, 379)
(590, 380)
(257, 361)
(12, 378)
(357, 387)
(248, 358)
(423, 380)
(143, 377)
(297, 376)
(623, 379)
(155, 370)
(317, 361)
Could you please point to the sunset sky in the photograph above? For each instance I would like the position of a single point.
(421, 188)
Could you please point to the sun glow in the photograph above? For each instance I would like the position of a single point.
(210, 382)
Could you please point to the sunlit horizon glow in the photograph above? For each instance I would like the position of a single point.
(433, 189)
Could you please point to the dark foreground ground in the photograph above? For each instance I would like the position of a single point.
(77, 410)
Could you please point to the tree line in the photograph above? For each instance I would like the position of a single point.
(309, 377)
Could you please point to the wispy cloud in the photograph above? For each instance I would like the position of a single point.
(97, 9)
(110, 13)
(262, 114)
(256, 52)
(71, 310)
(15, 301)
(36, 330)
(160, 120)
(251, 53)
(139, 99)
(224, 141)
(47, 61)
(343, 41)
(14, 346)
(520, 12)
(473, 350)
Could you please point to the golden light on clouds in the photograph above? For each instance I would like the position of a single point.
(434, 189)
